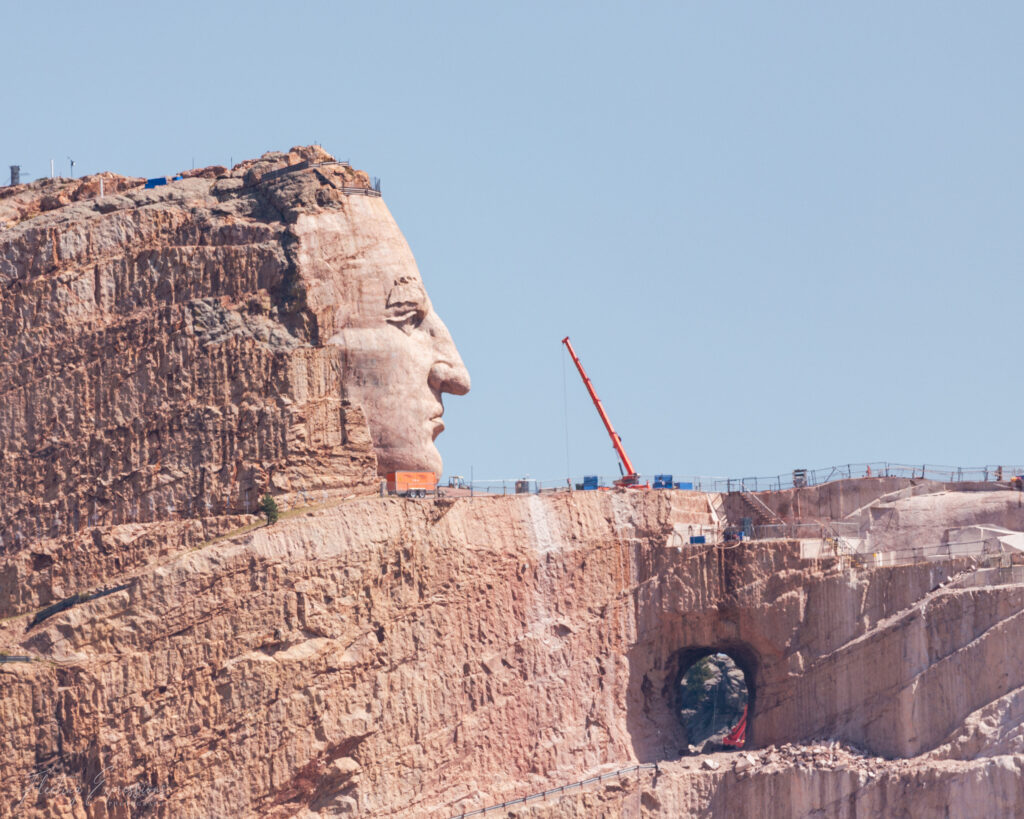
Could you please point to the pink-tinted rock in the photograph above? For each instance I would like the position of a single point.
(167, 355)
(176, 352)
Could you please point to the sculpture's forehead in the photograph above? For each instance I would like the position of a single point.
(352, 262)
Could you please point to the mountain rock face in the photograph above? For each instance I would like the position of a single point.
(168, 354)
(172, 352)
(394, 657)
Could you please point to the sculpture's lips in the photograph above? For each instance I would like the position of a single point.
(436, 426)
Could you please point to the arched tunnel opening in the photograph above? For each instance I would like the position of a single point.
(714, 699)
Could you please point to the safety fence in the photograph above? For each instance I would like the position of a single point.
(877, 469)
(527, 485)
(645, 766)
(805, 530)
(761, 483)
(933, 552)
(980, 555)
(841, 539)
(360, 191)
(307, 165)
(245, 500)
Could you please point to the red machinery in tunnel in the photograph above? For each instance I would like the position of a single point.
(737, 737)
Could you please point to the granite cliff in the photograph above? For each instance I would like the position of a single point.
(159, 358)
(168, 354)
(392, 657)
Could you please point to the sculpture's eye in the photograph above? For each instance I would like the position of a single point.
(406, 304)
(406, 317)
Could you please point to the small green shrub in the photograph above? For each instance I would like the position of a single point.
(268, 506)
(695, 679)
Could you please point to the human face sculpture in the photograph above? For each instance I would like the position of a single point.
(397, 356)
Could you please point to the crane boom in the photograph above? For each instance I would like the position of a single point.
(630, 478)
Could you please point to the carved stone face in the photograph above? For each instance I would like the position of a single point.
(397, 356)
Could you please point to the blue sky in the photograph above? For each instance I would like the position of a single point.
(779, 235)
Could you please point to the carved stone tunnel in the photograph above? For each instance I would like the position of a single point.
(815, 641)
(716, 681)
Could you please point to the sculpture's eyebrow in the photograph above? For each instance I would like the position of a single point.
(406, 292)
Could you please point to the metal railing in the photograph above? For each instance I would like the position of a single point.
(360, 191)
(923, 554)
(803, 530)
(760, 505)
(875, 469)
(307, 165)
(650, 766)
(979, 552)
(28, 524)
(777, 483)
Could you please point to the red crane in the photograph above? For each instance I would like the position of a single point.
(630, 478)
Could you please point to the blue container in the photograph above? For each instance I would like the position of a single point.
(156, 181)
(590, 481)
(662, 482)
(684, 485)
(698, 539)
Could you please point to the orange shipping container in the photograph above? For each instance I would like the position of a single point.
(402, 482)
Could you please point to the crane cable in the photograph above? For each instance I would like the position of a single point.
(565, 410)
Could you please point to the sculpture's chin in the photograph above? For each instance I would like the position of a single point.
(419, 459)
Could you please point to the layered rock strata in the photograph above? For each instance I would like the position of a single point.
(389, 657)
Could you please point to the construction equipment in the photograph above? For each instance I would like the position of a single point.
(629, 479)
(411, 484)
(526, 486)
(737, 737)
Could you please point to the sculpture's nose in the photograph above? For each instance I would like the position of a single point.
(447, 377)
(448, 373)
